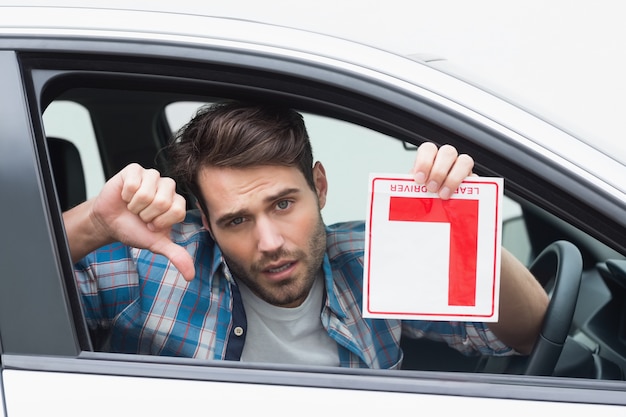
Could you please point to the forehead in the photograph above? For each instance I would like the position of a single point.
(225, 187)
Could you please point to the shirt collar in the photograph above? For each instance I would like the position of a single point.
(332, 300)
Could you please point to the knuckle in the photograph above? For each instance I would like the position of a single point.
(131, 184)
(179, 214)
(143, 196)
(160, 203)
(146, 216)
(133, 167)
(180, 208)
(167, 183)
(153, 172)
(159, 223)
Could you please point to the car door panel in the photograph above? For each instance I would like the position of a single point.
(48, 363)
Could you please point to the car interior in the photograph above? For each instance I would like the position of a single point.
(130, 124)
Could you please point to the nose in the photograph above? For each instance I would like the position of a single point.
(269, 235)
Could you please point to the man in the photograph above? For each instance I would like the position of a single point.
(255, 275)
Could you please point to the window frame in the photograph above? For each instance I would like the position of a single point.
(354, 106)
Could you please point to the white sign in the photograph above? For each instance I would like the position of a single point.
(432, 259)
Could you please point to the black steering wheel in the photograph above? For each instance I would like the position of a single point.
(559, 270)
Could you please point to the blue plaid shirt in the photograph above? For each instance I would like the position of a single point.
(143, 304)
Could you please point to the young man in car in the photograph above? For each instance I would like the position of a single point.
(255, 275)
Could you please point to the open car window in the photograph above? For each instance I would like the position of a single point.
(349, 152)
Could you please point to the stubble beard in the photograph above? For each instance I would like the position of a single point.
(295, 288)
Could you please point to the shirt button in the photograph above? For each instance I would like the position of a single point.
(238, 331)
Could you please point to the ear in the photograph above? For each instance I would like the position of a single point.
(321, 183)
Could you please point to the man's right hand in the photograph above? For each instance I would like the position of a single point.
(136, 207)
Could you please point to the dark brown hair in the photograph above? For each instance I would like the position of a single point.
(239, 135)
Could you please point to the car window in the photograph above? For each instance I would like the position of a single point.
(348, 147)
(71, 121)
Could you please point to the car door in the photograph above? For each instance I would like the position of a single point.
(50, 360)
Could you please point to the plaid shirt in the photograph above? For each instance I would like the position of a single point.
(143, 304)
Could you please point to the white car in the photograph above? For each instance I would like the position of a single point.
(85, 91)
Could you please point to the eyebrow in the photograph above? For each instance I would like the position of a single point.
(222, 220)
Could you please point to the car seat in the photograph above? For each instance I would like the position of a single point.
(68, 172)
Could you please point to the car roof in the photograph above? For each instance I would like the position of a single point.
(416, 75)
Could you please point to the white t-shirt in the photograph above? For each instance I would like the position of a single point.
(288, 335)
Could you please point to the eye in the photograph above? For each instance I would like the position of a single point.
(236, 221)
(283, 205)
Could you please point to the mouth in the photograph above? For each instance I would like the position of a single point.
(279, 268)
(280, 271)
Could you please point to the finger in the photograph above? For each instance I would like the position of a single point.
(143, 193)
(424, 160)
(444, 161)
(461, 169)
(174, 214)
(130, 180)
(178, 256)
(163, 200)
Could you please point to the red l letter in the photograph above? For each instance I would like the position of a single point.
(463, 218)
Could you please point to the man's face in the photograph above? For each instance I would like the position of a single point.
(268, 224)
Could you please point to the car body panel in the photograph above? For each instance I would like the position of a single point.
(127, 25)
(150, 379)
(165, 397)
(20, 176)
(297, 48)
(48, 362)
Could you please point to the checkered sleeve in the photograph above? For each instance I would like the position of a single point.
(469, 338)
(107, 281)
